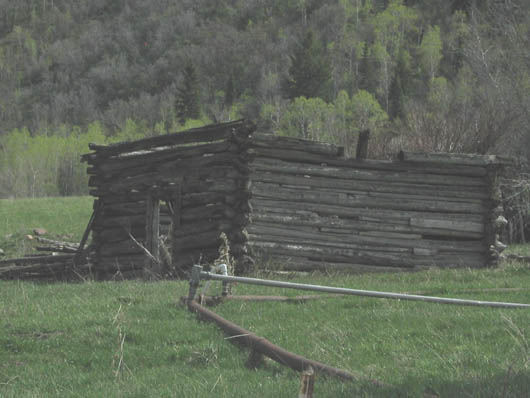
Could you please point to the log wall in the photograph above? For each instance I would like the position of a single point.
(185, 188)
(313, 208)
(295, 202)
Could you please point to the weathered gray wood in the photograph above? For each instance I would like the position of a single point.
(165, 173)
(362, 145)
(349, 226)
(201, 134)
(389, 215)
(460, 225)
(226, 166)
(333, 254)
(340, 185)
(449, 158)
(118, 165)
(308, 159)
(289, 143)
(280, 166)
(287, 263)
(258, 232)
(372, 200)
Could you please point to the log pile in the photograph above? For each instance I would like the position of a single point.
(314, 209)
(64, 267)
(168, 197)
(164, 201)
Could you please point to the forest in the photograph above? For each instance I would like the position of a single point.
(425, 75)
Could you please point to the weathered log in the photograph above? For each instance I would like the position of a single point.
(324, 253)
(164, 174)
(371, 200)
(259, 232)
(202, 134)
(281, 142)
(390, 215)
(345, 185)
(37, 260)
(377, 257)
(298, 264)
(421, 177)
(348, 226)
(450, 158)
(308, 160)
(56, 249)
(202, 169)
(58, 243)
(457, 225)
(111, 166)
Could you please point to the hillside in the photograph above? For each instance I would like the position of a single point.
(432, 75)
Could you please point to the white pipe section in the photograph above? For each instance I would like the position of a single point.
(356, 292)
(216, 269)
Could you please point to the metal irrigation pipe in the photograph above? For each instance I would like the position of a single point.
(198, 274)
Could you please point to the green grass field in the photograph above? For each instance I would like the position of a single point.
(133, 339)
(64, 219)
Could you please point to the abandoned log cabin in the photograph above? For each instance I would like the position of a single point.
(163, 202)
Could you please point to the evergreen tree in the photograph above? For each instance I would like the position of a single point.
(401, 82)
(310, 71)
(229, 92)
(188, 98)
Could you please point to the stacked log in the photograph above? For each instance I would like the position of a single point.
(183, 189)
(313, 209)
(45, 268)
(164, 201)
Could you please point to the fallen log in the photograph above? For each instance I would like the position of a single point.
(265, 347)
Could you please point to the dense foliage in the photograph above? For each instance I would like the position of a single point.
(429, 75)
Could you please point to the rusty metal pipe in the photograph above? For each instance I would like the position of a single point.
(265, 347)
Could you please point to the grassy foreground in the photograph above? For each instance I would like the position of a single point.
(133, 339)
